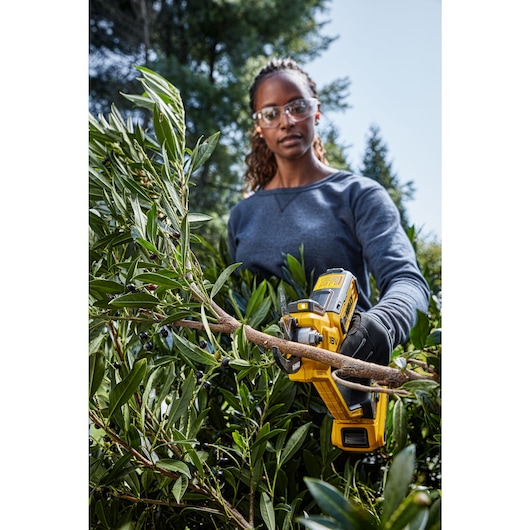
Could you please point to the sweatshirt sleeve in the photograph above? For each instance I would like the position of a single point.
(391, 259)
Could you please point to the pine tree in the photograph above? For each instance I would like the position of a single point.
(376, 166)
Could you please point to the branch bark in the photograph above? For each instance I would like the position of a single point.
(384, 375)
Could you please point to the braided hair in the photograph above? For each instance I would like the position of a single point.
(261, 163)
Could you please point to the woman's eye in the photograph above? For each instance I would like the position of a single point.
(298, 108)
(269, 114)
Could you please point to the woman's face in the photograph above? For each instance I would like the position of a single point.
(290, 139)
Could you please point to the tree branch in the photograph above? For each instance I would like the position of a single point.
(391, 377)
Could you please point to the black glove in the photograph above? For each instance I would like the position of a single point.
(368, 339)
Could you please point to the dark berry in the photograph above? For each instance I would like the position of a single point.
(203, 344)
(148, 346)
(225, 362)
(143, 336)
(152, 256)
(116, 364)
(176, 234)
(207, 385)
(151, 286)
(131, 288)
(199, 374)
(164, 332)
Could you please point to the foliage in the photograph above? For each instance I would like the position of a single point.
(376, 166)
(400, 508)
(191, 427)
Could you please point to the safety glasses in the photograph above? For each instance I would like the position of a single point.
(298, 110)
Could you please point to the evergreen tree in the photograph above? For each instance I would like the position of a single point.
(335, 151)
(376, 166)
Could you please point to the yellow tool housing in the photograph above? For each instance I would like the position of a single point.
(323, 321)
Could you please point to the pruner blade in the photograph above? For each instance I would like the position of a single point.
(290, 365)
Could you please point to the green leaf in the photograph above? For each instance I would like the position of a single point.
(120, 469)
(420, 331)
(435, 515)
(399, 422)
(256, 299)
(121, 393)
(434, 338)
(105, 287)
(152, 224)
(184, 241)
(398, 482)
(193, 353)
(258, 316)
(96, 371)
(174, 465)
(322, 523)
(223, 277)
(133, 187)
(244, 394)
(144, 300)
(179, 488)
(112, 240)
(296, 269)
(180, 406)
(167, 98)
(161, 280)
(331, 501)
(421, 386)
(267, 511)
(146, 244)
(177, 315)
(140, 219)
(131, 271)
(238, 439)
(294, 443)
(101, 513)
(411, 514)
(203, 150)
(198, 217)
(164, 132)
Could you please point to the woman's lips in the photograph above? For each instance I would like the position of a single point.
(290, 139)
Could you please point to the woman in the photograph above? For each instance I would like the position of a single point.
(342, 220)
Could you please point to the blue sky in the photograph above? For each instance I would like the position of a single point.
(391, 52)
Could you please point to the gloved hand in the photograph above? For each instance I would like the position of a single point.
(368, 339)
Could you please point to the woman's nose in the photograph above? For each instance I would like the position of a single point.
(286, 119)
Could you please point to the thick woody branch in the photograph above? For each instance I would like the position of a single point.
(390, 377)
(385, 375)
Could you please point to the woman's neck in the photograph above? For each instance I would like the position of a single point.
(294, 173)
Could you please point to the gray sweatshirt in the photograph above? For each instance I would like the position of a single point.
(343, 220)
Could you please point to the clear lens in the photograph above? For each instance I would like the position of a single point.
(298, 110)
